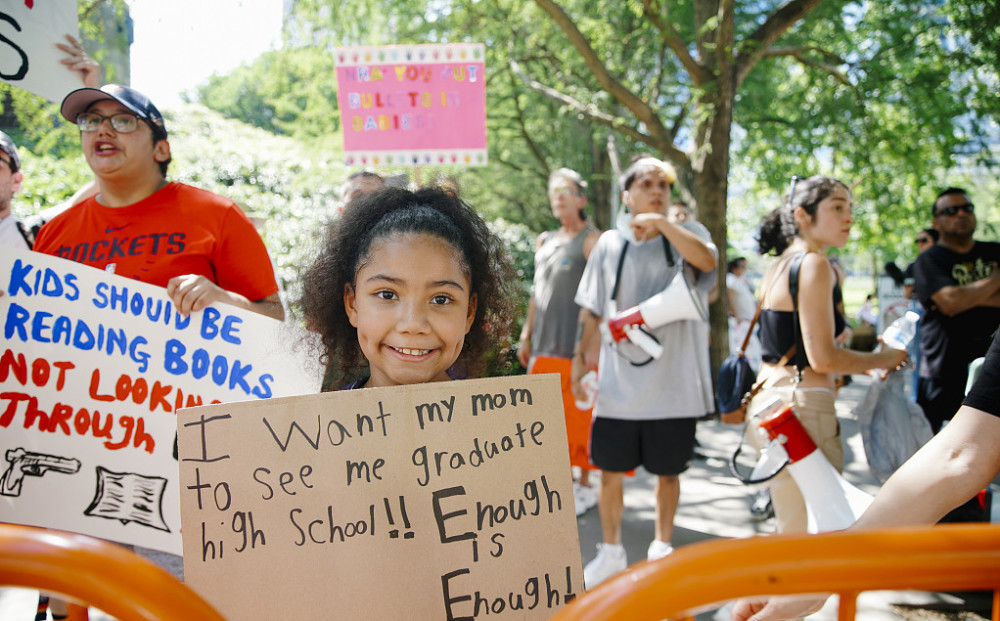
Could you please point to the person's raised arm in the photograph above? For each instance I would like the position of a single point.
(694, 249)
(79, 61)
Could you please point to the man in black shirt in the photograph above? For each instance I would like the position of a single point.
(958, 282)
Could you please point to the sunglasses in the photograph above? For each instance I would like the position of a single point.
(123, 123)
(924, 240)
(952, 210)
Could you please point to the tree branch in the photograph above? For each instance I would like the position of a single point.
(783, 51)
(699, 74)
(658, 136)
(589, 110)
(777, 23)
(523, 129)
(679, 121)
(799, 54)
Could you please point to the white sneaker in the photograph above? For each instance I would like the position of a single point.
(584, 498)
(658, 549)
(609, 561)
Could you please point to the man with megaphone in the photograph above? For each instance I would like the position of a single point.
(654, 379)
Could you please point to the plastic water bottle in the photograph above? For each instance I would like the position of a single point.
(899, 334)
(589, 384)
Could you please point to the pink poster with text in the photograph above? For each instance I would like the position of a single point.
(413, 104)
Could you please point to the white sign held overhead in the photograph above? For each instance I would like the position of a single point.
(29, 58)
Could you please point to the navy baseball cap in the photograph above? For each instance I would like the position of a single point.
(77, 102)
(7, 146)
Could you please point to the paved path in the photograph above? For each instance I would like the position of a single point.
(713, 504)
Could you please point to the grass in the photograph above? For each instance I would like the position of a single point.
(856, 289)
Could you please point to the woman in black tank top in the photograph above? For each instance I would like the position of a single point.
(815, 217)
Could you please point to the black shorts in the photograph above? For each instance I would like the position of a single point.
(663, 447)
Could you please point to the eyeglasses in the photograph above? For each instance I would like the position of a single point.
(952, 210)
(924, 240)
(123, 123)
(563, 192)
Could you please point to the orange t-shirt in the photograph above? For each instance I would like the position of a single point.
(175, 231)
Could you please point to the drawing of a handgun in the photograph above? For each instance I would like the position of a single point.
(22, 462)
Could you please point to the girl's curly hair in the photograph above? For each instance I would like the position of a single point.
(384, 214)
(778, 228)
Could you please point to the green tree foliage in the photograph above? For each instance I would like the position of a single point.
(887, 95)
(738, 95)
(292, 92)
(889, 106)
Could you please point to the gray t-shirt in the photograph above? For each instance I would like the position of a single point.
(679, 384)
(559, 265)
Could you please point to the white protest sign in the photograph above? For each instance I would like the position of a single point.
(445, 500)
(93, 368)
(29, 59)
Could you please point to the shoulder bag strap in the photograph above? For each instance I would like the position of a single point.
(753, 322)
(793, 289)
(668, 251)
(28, 237)
(618, 272)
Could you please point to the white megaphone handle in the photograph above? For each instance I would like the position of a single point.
(772, 457)
(647, 343)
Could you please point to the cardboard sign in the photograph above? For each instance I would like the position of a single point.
(93, 368)
(447, 500)
(413, 104)
(29, 59)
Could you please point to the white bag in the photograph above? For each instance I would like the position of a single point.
(892, 427)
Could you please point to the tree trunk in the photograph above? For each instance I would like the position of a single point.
(711, 185)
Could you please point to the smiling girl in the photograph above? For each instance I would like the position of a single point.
(412, 284)
(815, 217)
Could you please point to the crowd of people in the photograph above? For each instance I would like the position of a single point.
(412, 286)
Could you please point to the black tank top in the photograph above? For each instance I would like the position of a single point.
(778, 331)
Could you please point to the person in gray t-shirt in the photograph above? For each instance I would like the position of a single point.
(647, 408)
(549, 330)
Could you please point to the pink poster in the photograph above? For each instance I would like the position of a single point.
(413, 104)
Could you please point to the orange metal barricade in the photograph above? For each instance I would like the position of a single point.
(704, 575)
(97, 573)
